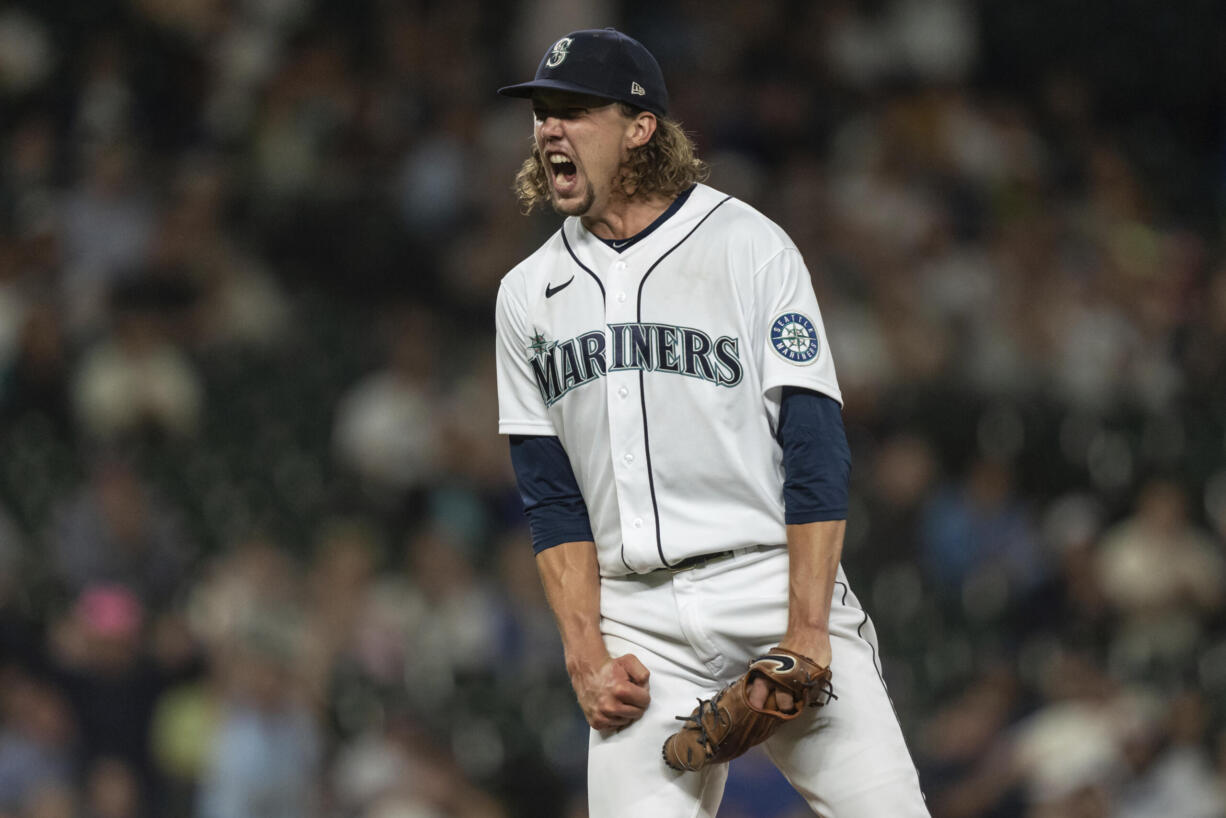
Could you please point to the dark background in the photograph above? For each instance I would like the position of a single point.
(261, 553)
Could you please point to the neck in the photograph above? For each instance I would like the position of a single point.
(626, 217)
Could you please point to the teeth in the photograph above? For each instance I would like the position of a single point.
(557, 158)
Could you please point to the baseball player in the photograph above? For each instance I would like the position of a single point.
(675, 428)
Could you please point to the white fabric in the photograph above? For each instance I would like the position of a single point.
(674, 452)
(696, 631)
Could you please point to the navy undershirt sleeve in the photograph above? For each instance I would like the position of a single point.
(552, 502)
(816, 457)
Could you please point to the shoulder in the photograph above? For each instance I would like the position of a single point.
(742, 232)
(536, 266)
(739, 223)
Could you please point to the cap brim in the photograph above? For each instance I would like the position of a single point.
(524, 90)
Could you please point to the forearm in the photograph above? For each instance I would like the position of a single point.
(571, 577)
(612, 691)
(814, 550)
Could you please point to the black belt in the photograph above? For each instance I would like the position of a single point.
(699, 560)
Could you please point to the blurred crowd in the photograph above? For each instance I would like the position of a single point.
(261, 553)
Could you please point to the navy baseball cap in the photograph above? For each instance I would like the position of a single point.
(602, 62)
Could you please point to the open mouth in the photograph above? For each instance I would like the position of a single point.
(564, 170)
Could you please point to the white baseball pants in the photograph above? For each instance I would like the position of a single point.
(696, 630)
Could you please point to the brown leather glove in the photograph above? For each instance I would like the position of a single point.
(723, 728)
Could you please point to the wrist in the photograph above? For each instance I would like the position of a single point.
(812, 643)
(584, 659)
(809, 631)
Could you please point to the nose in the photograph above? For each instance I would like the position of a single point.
(550, 126)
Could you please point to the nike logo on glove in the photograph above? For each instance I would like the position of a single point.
(783, 663)
(550, 292)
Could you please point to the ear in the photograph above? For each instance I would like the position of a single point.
(640, 129)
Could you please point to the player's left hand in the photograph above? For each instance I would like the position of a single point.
(816, 647)
(723, 727)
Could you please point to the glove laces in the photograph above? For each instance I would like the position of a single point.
(698, 719)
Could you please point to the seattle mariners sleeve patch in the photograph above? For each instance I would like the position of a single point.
(795, 338)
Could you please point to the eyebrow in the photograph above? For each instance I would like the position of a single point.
(571, 103)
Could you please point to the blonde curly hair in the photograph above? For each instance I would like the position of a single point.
(667, 165)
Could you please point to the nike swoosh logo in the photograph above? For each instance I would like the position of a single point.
(617, 245)
(550, 292)
(783, 663)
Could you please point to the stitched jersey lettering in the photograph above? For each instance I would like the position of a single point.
(562, 366)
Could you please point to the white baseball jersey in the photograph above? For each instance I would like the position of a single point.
(658, 368)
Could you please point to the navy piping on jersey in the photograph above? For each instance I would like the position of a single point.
(582, 266)
(651, 482)
(622, 245)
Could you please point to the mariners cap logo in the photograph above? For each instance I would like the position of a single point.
(795, 338)
(558, 53)
(603, 63)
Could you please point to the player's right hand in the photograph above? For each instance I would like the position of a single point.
(615, 693)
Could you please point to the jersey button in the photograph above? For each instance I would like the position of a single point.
(638, 522)
(621, 265)
(621, 296)
(623, 391)
(629, 458)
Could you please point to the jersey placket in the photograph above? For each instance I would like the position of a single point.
(627, 451)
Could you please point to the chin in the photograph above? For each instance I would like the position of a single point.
(574, 207)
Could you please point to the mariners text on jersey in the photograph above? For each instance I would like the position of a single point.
(560, 366)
